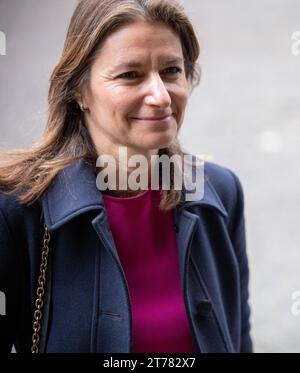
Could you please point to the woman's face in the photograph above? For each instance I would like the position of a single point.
(138, 90)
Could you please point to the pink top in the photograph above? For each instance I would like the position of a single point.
(146, 243)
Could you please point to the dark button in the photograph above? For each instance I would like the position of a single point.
(204, 308)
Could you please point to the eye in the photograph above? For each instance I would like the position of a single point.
(173, 70)
(129, 75)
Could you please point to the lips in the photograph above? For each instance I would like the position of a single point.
(154, 118)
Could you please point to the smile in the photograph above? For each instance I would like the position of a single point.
(154, 119)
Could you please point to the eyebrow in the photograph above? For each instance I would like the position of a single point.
(134, 64)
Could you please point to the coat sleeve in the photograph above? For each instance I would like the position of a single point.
(6, 268)
(239, 242)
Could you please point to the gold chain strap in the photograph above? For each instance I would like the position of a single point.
(40, 293)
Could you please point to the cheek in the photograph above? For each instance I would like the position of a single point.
(181, 98)
(110, 105)
(106, 98)
(180, 92)
(121, 101)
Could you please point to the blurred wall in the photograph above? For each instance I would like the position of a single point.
(245, 114)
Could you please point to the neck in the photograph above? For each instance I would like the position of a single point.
(122, 156)
(123, 193)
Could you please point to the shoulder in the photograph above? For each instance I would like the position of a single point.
(224, 180)
(227, 186)
(9, 235)
(14, 215)
(9, 205)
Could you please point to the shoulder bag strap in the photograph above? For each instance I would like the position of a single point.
(43, 293)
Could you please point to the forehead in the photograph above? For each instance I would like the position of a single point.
(140, 39)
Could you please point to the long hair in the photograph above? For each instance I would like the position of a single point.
(27, 173)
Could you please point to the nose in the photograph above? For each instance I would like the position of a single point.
(157, 93)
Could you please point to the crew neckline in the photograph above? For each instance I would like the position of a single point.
(123, 198)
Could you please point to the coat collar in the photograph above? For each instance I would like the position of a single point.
(74, 192)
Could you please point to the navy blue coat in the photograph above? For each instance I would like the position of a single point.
(87, 306)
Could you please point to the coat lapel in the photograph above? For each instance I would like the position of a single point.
(210, 331)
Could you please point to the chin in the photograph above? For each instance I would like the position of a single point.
(159, 143)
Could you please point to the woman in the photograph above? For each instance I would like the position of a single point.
(115, 270)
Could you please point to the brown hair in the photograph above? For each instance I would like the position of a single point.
(28, 172)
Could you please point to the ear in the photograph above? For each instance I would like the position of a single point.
(78, 98)
(80, 101)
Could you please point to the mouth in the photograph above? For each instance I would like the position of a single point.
(154, 119)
